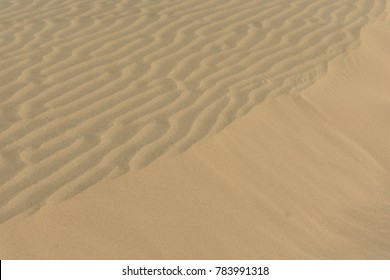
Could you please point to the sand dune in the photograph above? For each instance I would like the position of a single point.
(304, 175)
(293, 93)
(94, 89)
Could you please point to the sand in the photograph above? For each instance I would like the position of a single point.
(194, 129)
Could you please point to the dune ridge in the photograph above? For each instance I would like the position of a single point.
(91, 90)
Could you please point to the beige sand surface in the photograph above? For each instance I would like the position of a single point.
(254, 129)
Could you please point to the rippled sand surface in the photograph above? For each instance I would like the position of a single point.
(194, 129)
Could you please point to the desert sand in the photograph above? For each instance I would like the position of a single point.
(194, 129)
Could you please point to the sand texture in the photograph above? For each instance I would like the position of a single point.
(194, 129)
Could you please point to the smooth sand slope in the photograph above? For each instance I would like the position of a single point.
(95, 89)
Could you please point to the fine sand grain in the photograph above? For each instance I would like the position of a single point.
(241, 129)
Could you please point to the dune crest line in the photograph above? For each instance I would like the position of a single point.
(94, 89)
